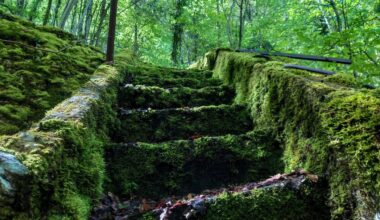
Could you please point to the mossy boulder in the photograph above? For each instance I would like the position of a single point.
(328, 125)
(182, 123)
(39, 67)
(190, 166)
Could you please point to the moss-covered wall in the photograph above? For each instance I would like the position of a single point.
(63, 155)
(39, 67)
(328, 125)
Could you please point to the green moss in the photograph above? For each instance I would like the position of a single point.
(39, 68)
(168, 78)
(352, 122)
(158, 98)
(181, 167)
(64, 153)
(272, 203)
(327, 125)
(182, 123)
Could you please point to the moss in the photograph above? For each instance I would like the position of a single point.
(271, 203)
(64, 154)
(158, 98)
(352, 122)
(182, 123)
(328, 125)
(168, 78)
(180, 167)
(40, 68)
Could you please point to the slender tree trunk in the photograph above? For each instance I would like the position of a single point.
(177, 31)
(324, 15)
(66, 12)
(136, 39)
(34, 8)
(79, 27)
(337, 15)
(102, 17)
(218, 26)
(21, 5)
(241, 23)
(56, 12)
(47, 13)
(111, 32)
(74, 22)
(88, 20)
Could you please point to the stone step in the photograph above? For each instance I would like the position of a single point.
(152, 71)
(150, 170)
(141, 96)
(169, 82)
(182, 123)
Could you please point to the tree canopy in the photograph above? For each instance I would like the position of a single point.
(178, 32)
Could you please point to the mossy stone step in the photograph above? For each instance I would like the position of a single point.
(190, 166)
(169, 82)
(141, 96)
(182, 123)
(272, 203)
(153, 71)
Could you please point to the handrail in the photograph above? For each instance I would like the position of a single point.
(298, 56)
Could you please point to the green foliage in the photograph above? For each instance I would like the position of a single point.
(180, 167)
(38, 70)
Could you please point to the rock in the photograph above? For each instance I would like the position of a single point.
(10, 170)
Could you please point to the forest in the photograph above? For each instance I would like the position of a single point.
(189, 109)
(178, 32)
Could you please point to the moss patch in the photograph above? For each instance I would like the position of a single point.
(38, 69)
(168, 78)
(271, 203)
(180, 167)
(64, 154)
(182, 123)
(328, 125)
(140, 96)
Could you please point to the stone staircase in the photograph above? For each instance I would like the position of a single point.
(181, 133)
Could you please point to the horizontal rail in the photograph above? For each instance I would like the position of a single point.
(298, 56)
(324, 72)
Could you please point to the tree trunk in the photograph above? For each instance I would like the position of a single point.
(74, 22)
(218, 26)
(241, 23)
(136, 39)
(56, 12)
(102, 16)
(47, 13)
(111, 32)
(34, 9)
(66, 12)
(337, 15)
(21, 4)
(79, 27)
(88, 20)
(324, 15)
(177, 31)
